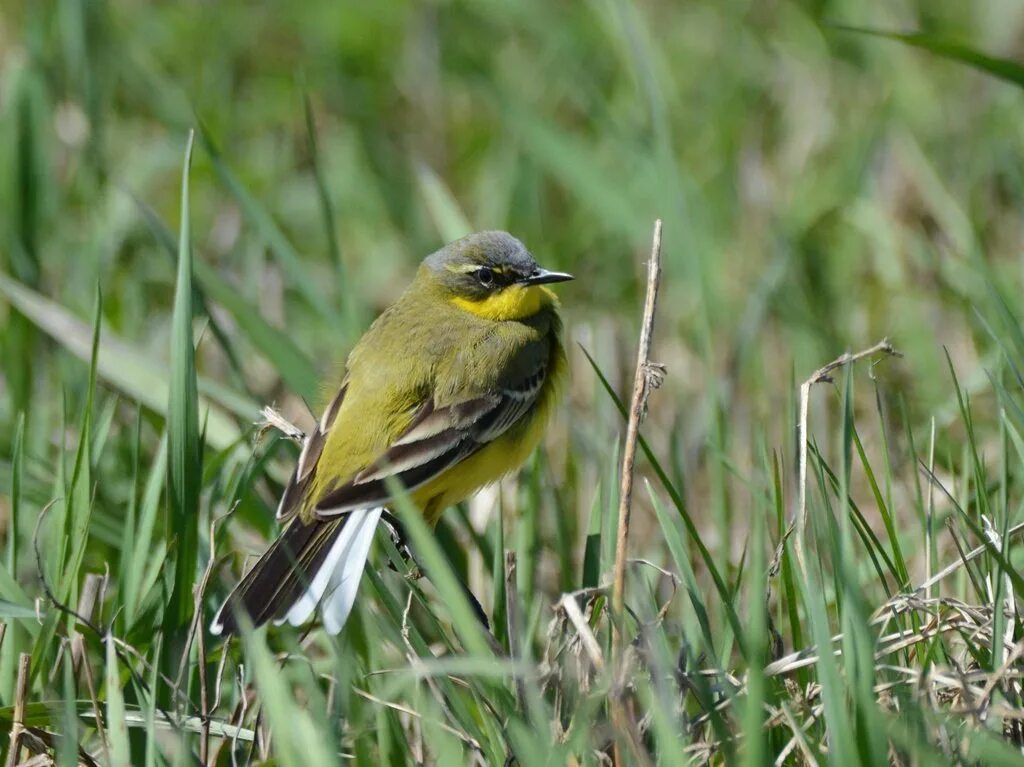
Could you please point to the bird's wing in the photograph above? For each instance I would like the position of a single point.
(312, 448)
(439, 437)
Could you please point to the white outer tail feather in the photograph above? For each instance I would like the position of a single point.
(335, 584)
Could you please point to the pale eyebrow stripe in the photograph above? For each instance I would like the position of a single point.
(467, 268)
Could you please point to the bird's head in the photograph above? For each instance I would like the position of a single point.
(492, 275)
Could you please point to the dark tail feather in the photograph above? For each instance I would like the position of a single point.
(280, 576)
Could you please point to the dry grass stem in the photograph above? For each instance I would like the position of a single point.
(272, 419)
(648, 376)
(18, 719)
(572, 611)
(642, 384)
(821, 375)
(472, 743)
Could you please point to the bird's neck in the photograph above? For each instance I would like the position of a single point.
(516, 302)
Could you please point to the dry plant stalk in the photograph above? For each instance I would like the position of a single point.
(568, 605)
(18, 720)
(646, 378)
(642, 384)
(821, 375)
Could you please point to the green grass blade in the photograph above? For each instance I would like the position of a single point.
(166, 239)
(119, 364)
(17, 468)
(67, 744)
(12, 592)
(287, 257)
(754, 737)
(327, 214)
(442, 576)
(592, 547)
(80, 508)
(297, 740)
(895, 560)
(116, 727)
(1004, 69)
(184, 464)
(499, 599)
(677, 548)
(142, 546)
(449, 220)
(684, 514)
(275, 345)
(11, 611)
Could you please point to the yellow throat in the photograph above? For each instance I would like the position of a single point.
(516, 302)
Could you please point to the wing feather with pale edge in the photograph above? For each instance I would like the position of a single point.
(437, 439)
(312, 448)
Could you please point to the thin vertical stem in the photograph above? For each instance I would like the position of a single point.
(641, 388)
(18, 720)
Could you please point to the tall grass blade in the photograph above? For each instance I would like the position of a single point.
(17, 468)
(116, 726)
(184, 464)
(119, 364)
(274, 344)
(342, 287)
(140, 553)
(684, 514)
(1004, 69)
(284, 252)
(80, 506)
(67, 744)
(755, 740)
(449, 220)
(442, 576)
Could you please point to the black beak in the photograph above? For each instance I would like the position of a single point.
(543, 277)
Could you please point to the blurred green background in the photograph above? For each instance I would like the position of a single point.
(820, 190)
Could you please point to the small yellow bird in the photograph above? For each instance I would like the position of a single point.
(449, 390)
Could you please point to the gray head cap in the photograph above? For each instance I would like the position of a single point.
(492, 248)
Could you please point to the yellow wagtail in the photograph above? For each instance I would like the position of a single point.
(448, 390)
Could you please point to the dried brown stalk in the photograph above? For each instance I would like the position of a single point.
(646, 378)
(821, 375)
(642, 384)
(18, 720)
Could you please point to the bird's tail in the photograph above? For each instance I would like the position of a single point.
(308, 565)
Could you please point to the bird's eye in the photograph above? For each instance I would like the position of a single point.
(485, 276)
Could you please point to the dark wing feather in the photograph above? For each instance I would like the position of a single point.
(280, 576)
(295, 490)
(437, 439)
